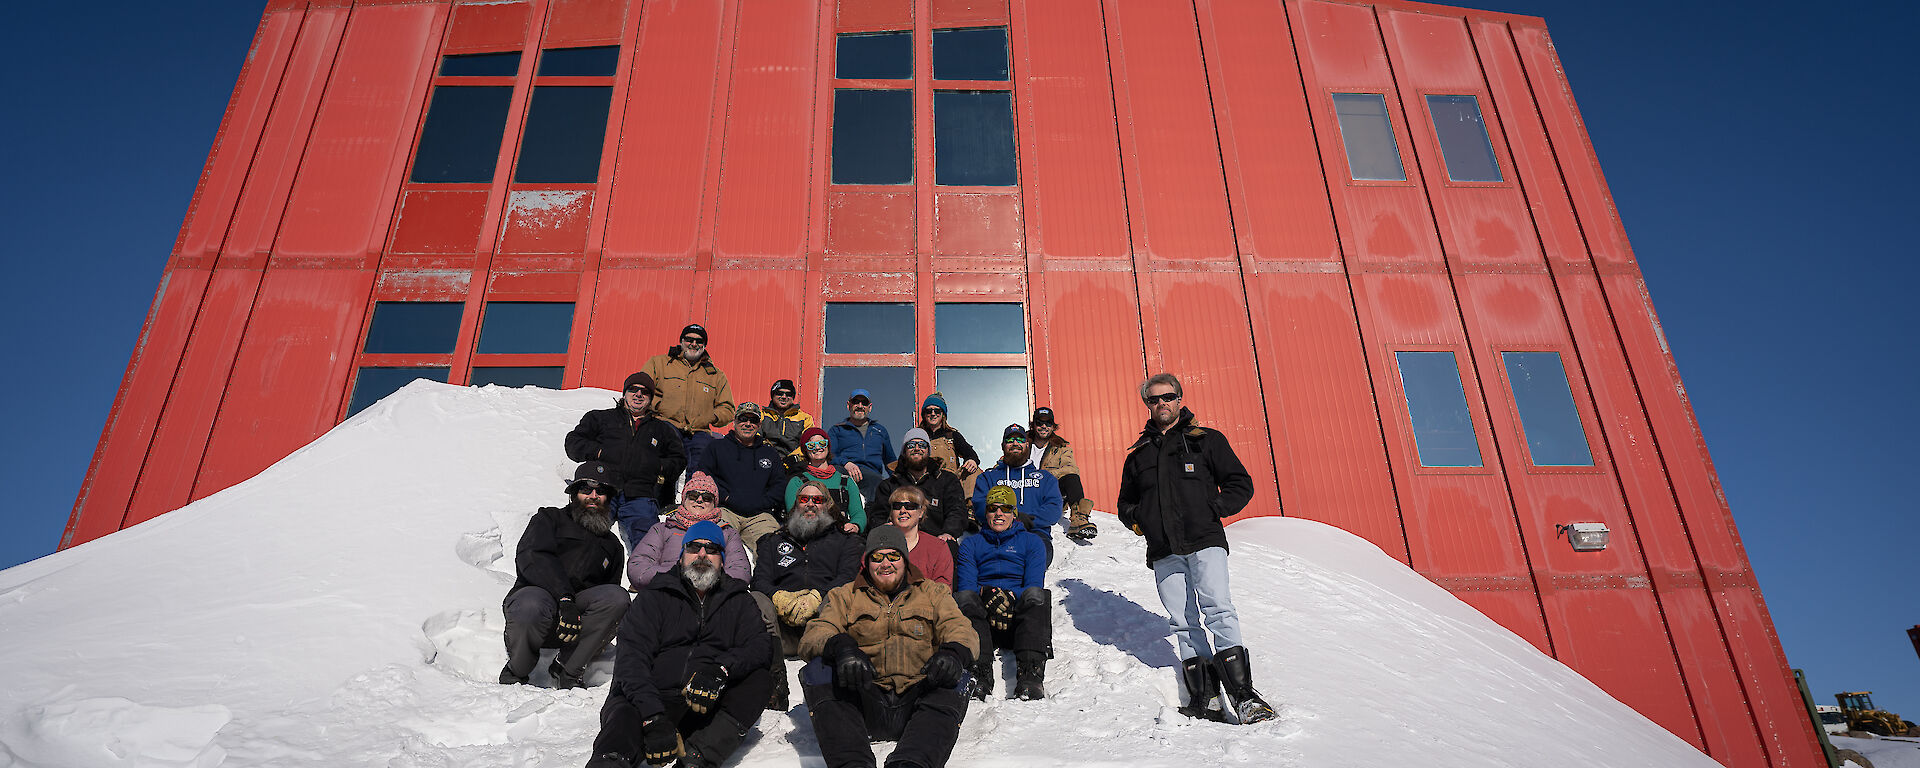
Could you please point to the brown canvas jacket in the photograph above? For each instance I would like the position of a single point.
(692, 397)
(899, 632)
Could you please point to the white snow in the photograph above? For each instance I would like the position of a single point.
(1894, 752)
(343, 608)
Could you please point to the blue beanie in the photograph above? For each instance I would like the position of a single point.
(706, 530)
(935, 400)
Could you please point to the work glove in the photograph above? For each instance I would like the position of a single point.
(999, 607)
(661, 740)
(569, 621)
(851, 667)
(782, 602)
(800, 606)
(942, 669)
(703, 689)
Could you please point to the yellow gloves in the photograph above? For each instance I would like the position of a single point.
(795, 608)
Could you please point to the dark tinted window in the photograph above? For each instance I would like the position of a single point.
(525, 327)
(1547, 413)
(566, 127)
(414, 327)
(482, 64)
(970, 54)
(892, 394)
(878, 56)
(973, 139)
(461, 140)
(983, 401)
(979, 328)
(872, 137)
(579, 62)
(375, 383)
(517, 376)
(1372, 153)
(1463, 138)
(1442, 425)
(869, 329)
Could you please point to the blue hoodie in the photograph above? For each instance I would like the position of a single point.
(1038, 491)
(1012, 560)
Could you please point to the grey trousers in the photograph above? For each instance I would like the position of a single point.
(532, 614)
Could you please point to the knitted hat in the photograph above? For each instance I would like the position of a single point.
(886, 537)
(934, 400)
(701, 481)
(641, 379)
(783, 385)
(1001, 494)
(811, 433)
(694, 329)
(706, 530)
(917, 434)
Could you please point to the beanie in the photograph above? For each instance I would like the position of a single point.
(706, 530)
(701, 481)
(886, 537)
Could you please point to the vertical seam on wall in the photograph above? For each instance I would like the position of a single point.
(1149, 348)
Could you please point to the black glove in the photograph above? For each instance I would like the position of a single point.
(999, 607)
(662, 740)
(851, 667)
(569, 621)
(703, 689)
(943, 667)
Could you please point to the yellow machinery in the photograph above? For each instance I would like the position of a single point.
(1861, 716)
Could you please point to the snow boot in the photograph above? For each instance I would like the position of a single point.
(1203, 691)
(1079, 525)
(778, 702)
(1030, 668)
(1236, 675)
(712, 745)
(981, 686)
(507, 677)
(562, 679)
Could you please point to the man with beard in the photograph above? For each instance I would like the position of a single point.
(1054, 454)
(690, 672)
(752, 475)
(694, 394)
(947, 513)
(889, 657)
(1037, 492)
(795, 566)
(568, 590)
(645, 452)
(1180, 480)
(862, 445)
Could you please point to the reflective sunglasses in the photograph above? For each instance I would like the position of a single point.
(918, 444)
(885, 556)
(992, 508)
(906, 505)
(1166, 398)
(814, 445)
(701, 496)
(1022, 439)
(705, 546)
(810, 499)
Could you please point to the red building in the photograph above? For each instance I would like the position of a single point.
(1372, 238)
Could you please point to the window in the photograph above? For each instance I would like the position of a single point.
(968, 328)
(970, 54)
(598, 61)
(460, 142)
(973, 139)
(983, 401)
(1367, 131)
(505, 64)
(878, 56)
(872, 136)
(869, 328)
(1437, 405)
(566, 127)
(547, 376)
(414, 327)
(1547, 413)
(526, 327)
(890, 388)
(1463, 138)
(376, 382)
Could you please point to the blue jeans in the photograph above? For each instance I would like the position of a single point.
(1194, 590)
(636, 517)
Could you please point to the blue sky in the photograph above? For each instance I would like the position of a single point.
(1758, 153)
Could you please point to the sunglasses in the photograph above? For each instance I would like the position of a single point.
(888, 556)
(638, 388)
(1166, 398)
(906, 505)
(1021, 439)
(747, 418)
(860, 401)
(782, 393)
(693, 342)
(933, 411)
(812, 500)
(815, 445)
(701, 496)
(920, 445)
(705, 546)
(594, 488)
(992, 508)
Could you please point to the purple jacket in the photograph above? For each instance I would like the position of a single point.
(659, 550)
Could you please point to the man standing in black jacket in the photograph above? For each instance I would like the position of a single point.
(645, 453)
(1179, 482)
(568, 589)
(691, 674)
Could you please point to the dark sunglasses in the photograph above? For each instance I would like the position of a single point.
(691, 341)
(705, 546)
(1166, 398)
(783, 393)
(815, 500)
(906, 505)
(638, 388)
(748, 418)
(1022, 439)
(888, 556)
(933, 410)
(595, 488)
(701, 496)
(992, 508)
(920, 444)
(860, 401)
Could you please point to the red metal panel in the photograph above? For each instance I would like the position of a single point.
(867, 15)
(969, 13)
(1203, 338)
(870, 223)
(532, 286)
(1075, 206)
(1094, 370)
(765, 186)
(753, 335)
(1176, 198)
(977, 224)
(546, 221)
(423, 285)
(488, 27)
(573, 23)
(636, 313)
(439, 221)
(662, 152)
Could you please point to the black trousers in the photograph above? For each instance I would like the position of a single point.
(714, 735)
(925, 721)
(1031, 629)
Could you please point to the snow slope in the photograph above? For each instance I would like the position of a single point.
(343, 609)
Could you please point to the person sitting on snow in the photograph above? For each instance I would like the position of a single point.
(568, 587)
(691, 670)
(1037, 492)
(660, 549)
(1000, 585)
(1054, 454)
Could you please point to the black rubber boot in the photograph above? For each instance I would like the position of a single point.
(562, 679)
(1203, 691)
(712, 745)
(778, 702)
(507, 677)
(1236, 675)
(1030, 670)
(981, 686)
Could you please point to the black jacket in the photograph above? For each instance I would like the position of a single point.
(644, 453)
(752, 478)
(947, 509)
(562, 557)
(782, 564)
(1177, 486)
(669, 633)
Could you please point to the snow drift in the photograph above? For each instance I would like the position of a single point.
(343, 608)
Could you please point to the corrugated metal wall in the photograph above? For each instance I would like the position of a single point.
(1184, 205)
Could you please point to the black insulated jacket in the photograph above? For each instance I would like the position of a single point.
(643, 452)
(1177, 486)
(670, 632)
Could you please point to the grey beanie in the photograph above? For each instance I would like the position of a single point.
(885, 536)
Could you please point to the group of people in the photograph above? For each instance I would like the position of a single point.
(893, 580)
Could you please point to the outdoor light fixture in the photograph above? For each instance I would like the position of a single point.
(1585, 537)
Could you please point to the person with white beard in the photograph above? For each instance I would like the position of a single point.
(691, 671)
